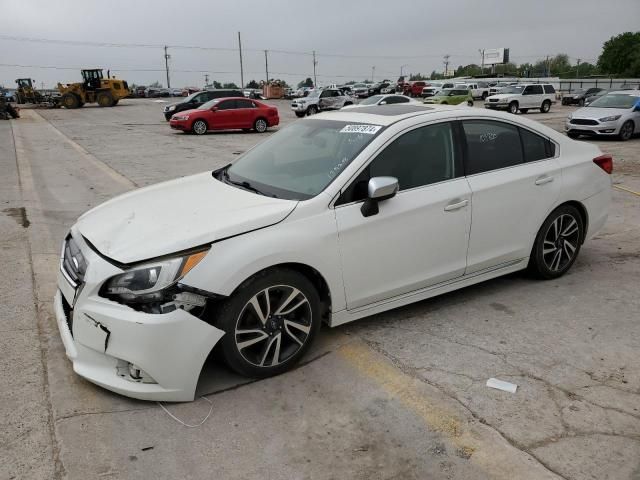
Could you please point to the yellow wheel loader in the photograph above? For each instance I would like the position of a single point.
(95, 88)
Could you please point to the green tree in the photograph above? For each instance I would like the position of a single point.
(417, 76)
(253, 84)
(621, 55)
(306, 83)
(217, 84)
(155, 85)
(229, 85)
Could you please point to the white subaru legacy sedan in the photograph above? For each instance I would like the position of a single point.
(334, 218)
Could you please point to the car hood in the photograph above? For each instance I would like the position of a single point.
(596, 112)
(191, 111)
(177, 215)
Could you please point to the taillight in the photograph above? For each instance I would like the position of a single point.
(605, 162)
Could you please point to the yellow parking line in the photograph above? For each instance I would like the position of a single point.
(626, 189)
(480, 444)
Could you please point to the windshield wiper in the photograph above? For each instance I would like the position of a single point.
(244, 184)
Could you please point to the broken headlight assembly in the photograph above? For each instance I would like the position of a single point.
(153, 287)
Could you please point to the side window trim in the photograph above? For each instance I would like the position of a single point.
(457, 159)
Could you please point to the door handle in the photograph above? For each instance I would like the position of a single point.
(543, 180)
(456, 206)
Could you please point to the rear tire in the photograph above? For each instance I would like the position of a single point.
(105, 99)
(199, 127)
(279, 336)
(557, 244)
(70, 101)
(626, 131)
(513, 107)
(546, 106)
(115, 102)
(260, 125)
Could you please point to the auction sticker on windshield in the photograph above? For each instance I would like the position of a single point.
(368, 129)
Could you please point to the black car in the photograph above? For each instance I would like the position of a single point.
(196, 99)
(578, 97)
(375, 89)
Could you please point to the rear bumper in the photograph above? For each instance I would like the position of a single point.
(107, 341)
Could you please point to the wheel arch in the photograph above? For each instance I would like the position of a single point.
(312, 274)
(582, 210)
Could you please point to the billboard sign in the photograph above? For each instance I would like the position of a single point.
(495, 56)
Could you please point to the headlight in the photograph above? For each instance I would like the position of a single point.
(612, 118)
(172, 108)
(144, 282)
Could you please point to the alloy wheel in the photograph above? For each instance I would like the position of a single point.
(561, 242)
(261, 125)
(273, 326)
(626, 131)
(199, 127)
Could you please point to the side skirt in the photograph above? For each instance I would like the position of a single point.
(346, 316)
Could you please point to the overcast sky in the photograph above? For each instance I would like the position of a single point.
(350, 37)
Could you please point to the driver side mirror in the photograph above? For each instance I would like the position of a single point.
(214, 109)
(383, 102)
(378, 189)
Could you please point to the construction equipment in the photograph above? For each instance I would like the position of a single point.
(26, 93)
(95, 88)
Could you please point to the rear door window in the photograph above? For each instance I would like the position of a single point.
(227, 105)
(534, 146)
(550, 89)
(245, 104)
(491, 145)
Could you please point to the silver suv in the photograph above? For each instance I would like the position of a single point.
(319, 101)
(523, 97)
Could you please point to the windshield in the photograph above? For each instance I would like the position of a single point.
(359, 85)
(444, 93)
(299, 161)
(209, 104)
(313, 93)
(615, 100)
(371, 100)
(517, 89)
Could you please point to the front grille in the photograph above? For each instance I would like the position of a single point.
(493, 99)
(583, 121)
(68, 314)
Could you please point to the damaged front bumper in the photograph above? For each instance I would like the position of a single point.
(140, 355)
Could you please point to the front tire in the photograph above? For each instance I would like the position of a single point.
(557, 244)
(573, 135)
(626, 131)
(300, 114)
(269, 323)
(546, 106)
(581, 102)
(260, 125)
(199, 127)
(70, 101)
(312, 110)
(513, 107)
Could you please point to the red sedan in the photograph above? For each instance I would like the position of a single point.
(226, 114)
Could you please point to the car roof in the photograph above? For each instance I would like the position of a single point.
(626, 92)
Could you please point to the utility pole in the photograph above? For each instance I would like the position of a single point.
(373, 72)
(446, 64)
(166, 65)
(241, 68)
(206, 79)
(546, 73)
(481, 50)
(315, 82)
(401, 68)
(266, 66)
(578, 69)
